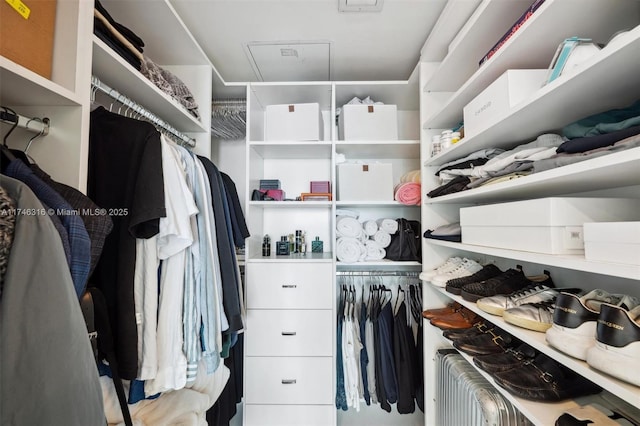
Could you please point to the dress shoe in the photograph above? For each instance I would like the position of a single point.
(461, 319)
(492, 342)
(455, 285)
(544, 379)
(510, 358)
(439, 312)
(477, 328)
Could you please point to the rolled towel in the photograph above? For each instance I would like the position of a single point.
(363, 237)
(408, 193)
(347, 212)
(412, 176)
(382, 238)
(390, 226)
(370, 227)
(374, 251)
(350, 250)
(349, 227)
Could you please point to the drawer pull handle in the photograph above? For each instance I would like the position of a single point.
(288, 381)
(289, 286)
(288, 333)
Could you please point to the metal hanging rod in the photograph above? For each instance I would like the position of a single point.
(378, 273)
(96, 84)
(32, 124)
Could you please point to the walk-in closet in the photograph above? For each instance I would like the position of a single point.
(319, 212)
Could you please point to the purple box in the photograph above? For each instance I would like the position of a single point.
(320, 186)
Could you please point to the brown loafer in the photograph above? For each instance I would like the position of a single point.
(439, 312)
(461, 319)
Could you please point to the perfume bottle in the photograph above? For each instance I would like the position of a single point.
(317, 246)
(266, 245)
(282, 246)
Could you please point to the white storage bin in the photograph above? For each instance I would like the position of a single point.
(494, 102)
(293, 122)
(368, 123)
(365, 182)
(615, 242)
(545, 225)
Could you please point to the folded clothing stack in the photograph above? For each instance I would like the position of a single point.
(118, 37)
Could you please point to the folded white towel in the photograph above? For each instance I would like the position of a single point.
(390, 226)
(350, 250)
(348, 227)
(382, 238)
(347, 212)
(374, 251)
(370, 227)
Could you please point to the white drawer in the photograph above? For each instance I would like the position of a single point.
(288, 380)
(294, 285)
(289, 415)
(289, 333)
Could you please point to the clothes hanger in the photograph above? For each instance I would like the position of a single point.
(5, 148)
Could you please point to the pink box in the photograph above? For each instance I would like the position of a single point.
(320, 186)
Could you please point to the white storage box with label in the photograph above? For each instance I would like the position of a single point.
(293, 122)
(545, 225)
(368, 123)
(365, 182)
(614, 242)
(495, 102)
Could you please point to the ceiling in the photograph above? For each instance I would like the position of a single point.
(300, 40)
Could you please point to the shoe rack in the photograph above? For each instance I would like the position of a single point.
(601, 83)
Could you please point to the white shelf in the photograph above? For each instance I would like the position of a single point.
(615, 170)
(379, 263)
(109, 67)
(623, 390)
(490, 20)
(167, 39)
(287, 150)
(376, 204)
(326, 257)
(574, 262)
(289, 204)
(20, 86)
(407, 149)
(539, 38)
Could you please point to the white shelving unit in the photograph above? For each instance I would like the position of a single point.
(600, 83)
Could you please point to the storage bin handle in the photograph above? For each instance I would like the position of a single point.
(289, 286)
(288, 381)
(289, 333)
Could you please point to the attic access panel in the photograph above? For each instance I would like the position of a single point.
(290, 61)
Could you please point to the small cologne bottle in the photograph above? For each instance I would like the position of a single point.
(316, 246)
(282, 246)
(266, 245)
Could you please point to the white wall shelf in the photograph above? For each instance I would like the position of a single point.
(619, 388)
(288, 150)
(614, 170)
(376, 204)
(618, 66)
(326, 257)
(409, 149)
(574, 262)
(375, 264)
(290, 204)
(598, 20)
(109, 67)
(20, 86)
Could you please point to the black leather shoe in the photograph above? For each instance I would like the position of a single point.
(544, 379)
(492, 342)
(507, 283)
(477, 328)
(454, 285)
(510, 358)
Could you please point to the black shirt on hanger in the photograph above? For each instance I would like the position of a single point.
(125, 178)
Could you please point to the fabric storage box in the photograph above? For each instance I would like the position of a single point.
(494, 102)
(26, 35)
(368, 123)
(365, 182)
(293, 122)
(614, 242)
(545, 225)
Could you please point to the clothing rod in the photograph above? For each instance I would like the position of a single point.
(35, 125)
(97, 84)
(413, 274)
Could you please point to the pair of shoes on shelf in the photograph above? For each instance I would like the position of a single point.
(483, 338)
(600, 328)
(461, 318)
(506, 283)
(454, 267)
(603, 409)
(454, 285)
(439, 312)
(530, 307)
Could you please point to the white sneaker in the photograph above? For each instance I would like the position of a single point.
(449, 265)
(575, 317)
(617, 347)
(464, 269)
